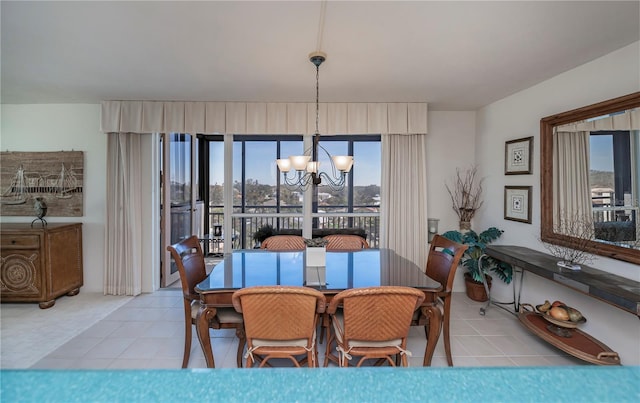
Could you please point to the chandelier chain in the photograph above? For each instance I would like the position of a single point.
(317, 98)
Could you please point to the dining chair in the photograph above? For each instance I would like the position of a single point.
(340, 242)
(373, 323)
(442, 262)
(280, 322)
(191, 265)
(283, 243)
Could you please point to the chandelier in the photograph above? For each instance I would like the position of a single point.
(307, 166)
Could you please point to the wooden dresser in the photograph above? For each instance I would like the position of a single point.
(40, 264)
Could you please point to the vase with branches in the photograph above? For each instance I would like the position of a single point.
(580, 232)
(466, 195)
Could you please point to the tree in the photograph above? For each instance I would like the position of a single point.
(255, 193)
(216, 195)
(367, 195)
(339, 200)
(288, 197)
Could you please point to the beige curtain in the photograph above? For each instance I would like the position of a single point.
(403, 207)
(628, 120)
(263, 117)
(571, 178)
(123, 239)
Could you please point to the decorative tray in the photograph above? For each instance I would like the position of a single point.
(577, 343)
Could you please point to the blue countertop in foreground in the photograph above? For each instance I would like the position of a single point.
(539, 384)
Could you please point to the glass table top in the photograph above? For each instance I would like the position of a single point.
(342, 270)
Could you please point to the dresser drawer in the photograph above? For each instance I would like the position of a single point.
(20, 241)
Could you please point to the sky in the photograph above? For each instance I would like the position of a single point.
(601, 149)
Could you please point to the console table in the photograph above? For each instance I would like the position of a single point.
(40, 264)
(618, 291)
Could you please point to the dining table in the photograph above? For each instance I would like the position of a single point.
(338, 271)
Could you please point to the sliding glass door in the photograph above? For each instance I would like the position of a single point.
(179, 184)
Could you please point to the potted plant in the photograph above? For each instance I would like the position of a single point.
(263, 233)
(477, 244)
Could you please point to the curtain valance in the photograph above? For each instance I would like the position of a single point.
(629, 120)
(262, 117)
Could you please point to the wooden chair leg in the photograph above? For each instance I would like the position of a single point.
(315, 357)
(324, 326)
(241, 342)
(187, 343)
(405, 360)
(327, 351)
(445, 331)
(311, 359)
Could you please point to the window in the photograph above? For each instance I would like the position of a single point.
(180, 168)
(362, 189)
(614, 187)
(256, 185)
(215, 171)
(610, 168)
(260, 198)
(257, 182)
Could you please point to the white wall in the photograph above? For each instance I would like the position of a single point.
(519, 116)
(451, 145)
(65, 128)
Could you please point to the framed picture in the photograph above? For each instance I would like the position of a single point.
(518, 156)
(55, 177)
(517, 203)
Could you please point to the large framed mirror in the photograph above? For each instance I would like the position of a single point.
(590, 175)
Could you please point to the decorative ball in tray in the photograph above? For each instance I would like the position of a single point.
(561, 315)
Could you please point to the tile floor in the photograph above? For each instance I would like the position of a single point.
(147, 332)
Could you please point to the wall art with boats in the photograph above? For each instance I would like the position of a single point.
(57, 177)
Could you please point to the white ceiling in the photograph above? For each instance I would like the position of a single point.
(453, 55)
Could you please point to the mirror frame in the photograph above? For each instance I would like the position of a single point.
(546, 174)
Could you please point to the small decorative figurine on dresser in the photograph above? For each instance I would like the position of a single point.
(40, 208)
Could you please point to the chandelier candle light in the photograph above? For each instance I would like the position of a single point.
(307, 165)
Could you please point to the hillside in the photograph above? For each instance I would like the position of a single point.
(601, 179)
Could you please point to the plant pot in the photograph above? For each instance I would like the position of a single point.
(475, 290)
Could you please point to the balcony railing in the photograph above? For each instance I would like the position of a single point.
(615, 213)
(244, 225)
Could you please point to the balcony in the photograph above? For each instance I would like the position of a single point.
(245, 224)
(614, 223)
